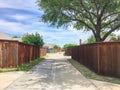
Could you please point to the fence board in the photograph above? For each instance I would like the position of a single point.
(102, 58)
(43, 52)
(14, 53)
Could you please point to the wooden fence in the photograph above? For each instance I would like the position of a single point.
(68, 51)
(43, 52)
(102, 58)
(57, 50)
(14, 53)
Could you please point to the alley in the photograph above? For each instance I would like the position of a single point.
(55, 73)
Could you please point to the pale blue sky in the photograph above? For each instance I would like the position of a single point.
(18, 17)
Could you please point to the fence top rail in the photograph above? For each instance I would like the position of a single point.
(43, 48)
(27, 44)
(96, 44)
(100, 43)
(16, 41)
(4, 40)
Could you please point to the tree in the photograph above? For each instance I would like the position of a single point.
(91, 39)
(16, 37)
(57, 47)
(33, 39)
(89, 15)
(69, 45)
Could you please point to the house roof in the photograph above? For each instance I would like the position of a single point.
(7, 37)
(4, 36)
(49, 45)
(17, 39)
(110, 38)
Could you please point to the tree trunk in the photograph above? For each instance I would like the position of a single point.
(98, 37)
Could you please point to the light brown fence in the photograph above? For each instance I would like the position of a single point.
(103, 58)
(43, 52)
(57, 50)
(14, 53)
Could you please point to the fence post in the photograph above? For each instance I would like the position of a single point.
(80, 41)
(98, 58)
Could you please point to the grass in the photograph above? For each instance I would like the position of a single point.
(7, 69)
(23, 67)
(91, 75)
(28, 66)
(46, 56)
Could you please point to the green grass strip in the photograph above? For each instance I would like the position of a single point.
(28, 66)
(23, 67)
(7, 69)
(92, 75)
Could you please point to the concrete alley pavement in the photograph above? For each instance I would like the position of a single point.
(55, 73)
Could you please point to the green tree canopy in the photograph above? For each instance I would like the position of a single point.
(91, 39)
(69, 45)
(33, 39)
(15, 36)
(57, 47)
(90, 15)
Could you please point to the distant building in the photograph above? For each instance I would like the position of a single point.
(50, 48)
(111, 38)
(108, 39)
(4, 36)
(17, 39)
(7, 37)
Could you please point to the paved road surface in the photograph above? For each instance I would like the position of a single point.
(55, 73)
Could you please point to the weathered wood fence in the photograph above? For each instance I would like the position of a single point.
(14, 53)
(57, 50)
(68, 51)
(102, 58)
(43, 52)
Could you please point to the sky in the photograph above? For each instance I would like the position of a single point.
(18, 17)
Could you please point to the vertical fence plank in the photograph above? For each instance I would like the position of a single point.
(0, 54)
(14, 53)
(102, 58)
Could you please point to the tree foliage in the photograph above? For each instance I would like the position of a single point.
(57, 47)
(91, 39)
(16, 37)
(69, 45)
(33, 39)
(89, 15)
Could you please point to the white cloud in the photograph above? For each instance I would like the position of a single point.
(59, 36)
(20, 17)
(30, 5)
(12, 27)
(71, 28)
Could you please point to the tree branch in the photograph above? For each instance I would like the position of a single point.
(78, 12)
(104, 18)
(81, 21)
(109, 23)
(113, 29)
(87, 11)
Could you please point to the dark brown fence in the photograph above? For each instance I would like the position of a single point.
(103, 58)
(14, 53)
(68, 51)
